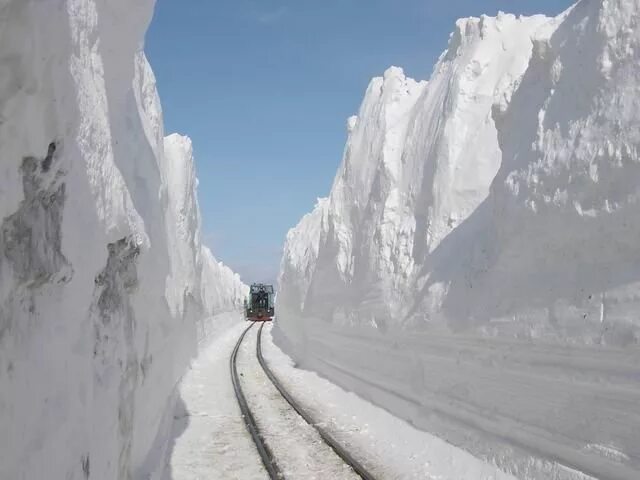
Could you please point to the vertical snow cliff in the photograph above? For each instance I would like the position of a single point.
(475, 267)
(104, 283)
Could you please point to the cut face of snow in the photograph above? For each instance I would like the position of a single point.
(105, 288)
(474, 268)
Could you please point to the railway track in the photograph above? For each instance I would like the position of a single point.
(266, 453)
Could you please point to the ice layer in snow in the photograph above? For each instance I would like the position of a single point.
(105, 286)
(475, 267)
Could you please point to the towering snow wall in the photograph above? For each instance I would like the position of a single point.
(475, 267)
(103, 280)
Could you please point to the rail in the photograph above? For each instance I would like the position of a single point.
(263, 449)
(357, 467)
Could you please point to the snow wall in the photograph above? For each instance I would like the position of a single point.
(475, 268)
(105, 286)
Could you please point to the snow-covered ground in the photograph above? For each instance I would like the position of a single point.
(105, 287)
(389, 447)
(474, 269)
(210, 440)
(208, 434)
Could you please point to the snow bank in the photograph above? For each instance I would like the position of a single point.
(475, 269)
(103, 278)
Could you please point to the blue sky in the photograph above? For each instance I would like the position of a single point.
(264, 88)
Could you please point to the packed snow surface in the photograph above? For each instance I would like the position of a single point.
(475, 267)
(208, 435)
(209, 439)
(105, 287)
(389, 447)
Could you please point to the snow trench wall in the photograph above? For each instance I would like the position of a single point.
(105, 286)
(475, 267)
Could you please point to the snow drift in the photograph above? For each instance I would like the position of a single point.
(104, 283)
(475, 267)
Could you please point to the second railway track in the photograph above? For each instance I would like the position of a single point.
(267, 445)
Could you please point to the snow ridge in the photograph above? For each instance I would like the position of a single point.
(475, 269)
(105, 287)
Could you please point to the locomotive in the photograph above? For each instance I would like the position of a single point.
(259, 307)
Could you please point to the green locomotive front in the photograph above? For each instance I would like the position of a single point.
(259, 307)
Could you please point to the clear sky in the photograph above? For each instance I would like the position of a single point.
(264, 88)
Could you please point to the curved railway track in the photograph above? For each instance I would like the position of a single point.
(264, 451)
(250, 422)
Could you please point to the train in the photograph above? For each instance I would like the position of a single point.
(259, 307)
